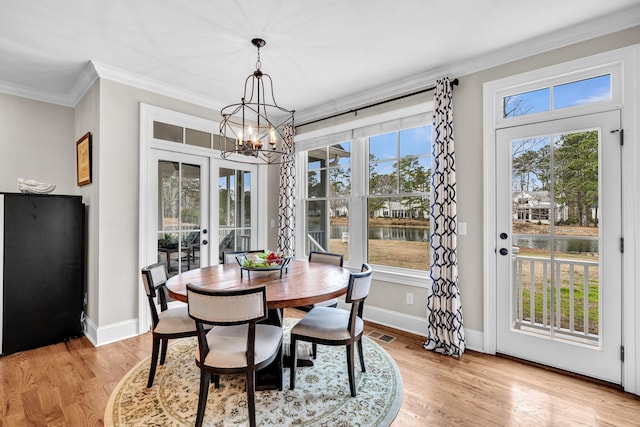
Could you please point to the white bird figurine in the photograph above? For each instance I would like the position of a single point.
(34, 187)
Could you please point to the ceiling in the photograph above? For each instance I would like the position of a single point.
(321, 55)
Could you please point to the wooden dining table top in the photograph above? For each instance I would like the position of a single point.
(303, 283)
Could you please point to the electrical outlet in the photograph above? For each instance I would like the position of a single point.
(409, 298)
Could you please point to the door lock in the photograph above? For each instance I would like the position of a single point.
(504, 251)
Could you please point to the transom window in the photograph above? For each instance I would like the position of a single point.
(184, 135)
(555, 97)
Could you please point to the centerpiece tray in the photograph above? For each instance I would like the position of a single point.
(262, 262)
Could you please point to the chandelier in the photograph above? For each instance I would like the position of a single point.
(256, 130)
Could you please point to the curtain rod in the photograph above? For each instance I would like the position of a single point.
(454, 82)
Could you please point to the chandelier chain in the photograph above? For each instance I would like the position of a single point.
(258, 63)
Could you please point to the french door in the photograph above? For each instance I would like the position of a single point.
(558, 226)
(179, 210)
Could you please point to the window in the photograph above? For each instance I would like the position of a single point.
(184, 135)
(581, 92)
(554, 97)
(327, 206)
(365, 194)
(398, 198)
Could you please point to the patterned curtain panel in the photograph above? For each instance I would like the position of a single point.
(444, 309)
(286, 218)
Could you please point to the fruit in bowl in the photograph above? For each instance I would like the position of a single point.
(265, 259)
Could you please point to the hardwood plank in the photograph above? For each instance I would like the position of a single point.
(70, 383)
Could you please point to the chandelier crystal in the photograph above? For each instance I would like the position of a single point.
(256, 129)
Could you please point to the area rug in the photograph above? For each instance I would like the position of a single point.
(321, 396)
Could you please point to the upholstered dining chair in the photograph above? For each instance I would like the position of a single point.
(335, 326)
(169, 323)
(230, 256)
(325, 258)
(237, 343)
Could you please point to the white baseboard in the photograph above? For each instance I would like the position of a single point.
(110, 333)
(414, 324)
(393, 319)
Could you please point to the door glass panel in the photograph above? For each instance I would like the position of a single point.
(234, 192)
(555, 230)
(179, 187)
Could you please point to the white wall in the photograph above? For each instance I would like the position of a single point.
(37, 142)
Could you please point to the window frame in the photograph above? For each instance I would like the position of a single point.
(352, 131)
(541, 80)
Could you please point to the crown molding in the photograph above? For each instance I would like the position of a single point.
(36, 94)
(141, 82)
(87, 78)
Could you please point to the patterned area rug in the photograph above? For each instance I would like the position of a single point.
(321, 396)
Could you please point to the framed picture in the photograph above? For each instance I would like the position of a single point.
(83, 159)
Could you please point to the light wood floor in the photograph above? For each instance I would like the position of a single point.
(69, 384)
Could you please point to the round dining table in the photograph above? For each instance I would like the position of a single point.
(302, 283)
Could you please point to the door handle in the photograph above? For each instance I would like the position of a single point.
(504, 251)
(205, 242)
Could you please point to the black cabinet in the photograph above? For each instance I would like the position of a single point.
(42, 277)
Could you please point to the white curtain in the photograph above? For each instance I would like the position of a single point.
(286, 213)
(444, 309)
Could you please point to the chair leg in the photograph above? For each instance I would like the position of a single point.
(154, 361)
(293, 352)
(163, 355)
(361, 353)
(350, 369)
(315, 350)
(280, 376)
(251, 398)
(205, 379)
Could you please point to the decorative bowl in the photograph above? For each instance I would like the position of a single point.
(267, 261)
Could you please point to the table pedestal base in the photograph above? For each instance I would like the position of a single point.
(267, 378)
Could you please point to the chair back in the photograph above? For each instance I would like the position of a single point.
(235, 307)
(359, 285)
(216, 307)
(153, 276)
(326, 258)
(154, 279)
